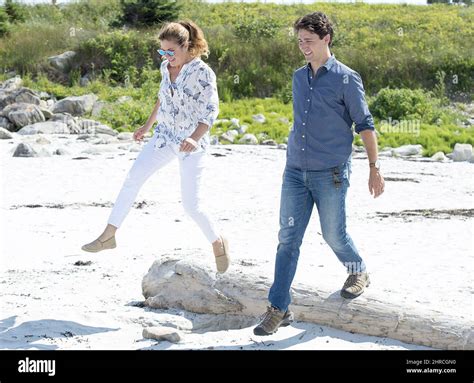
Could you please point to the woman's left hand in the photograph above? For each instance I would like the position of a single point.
(188, 145)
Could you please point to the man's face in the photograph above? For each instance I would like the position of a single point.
(311, 45)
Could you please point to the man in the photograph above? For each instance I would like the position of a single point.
(328, 97)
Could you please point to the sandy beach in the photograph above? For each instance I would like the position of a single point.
(417, 240)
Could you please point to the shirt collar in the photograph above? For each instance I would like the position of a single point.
(328, 64)
(166, 63)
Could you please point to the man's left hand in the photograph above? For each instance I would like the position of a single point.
(376, 183)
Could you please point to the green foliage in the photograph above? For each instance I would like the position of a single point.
(15, 12)
(146, 13)
(433, 138)
(28, 46)
(4, 23)
(389, 45)
(119, 56)
(399, 104)
(127, 116)
(253, 28)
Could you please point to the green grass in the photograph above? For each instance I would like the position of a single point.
(439, 136)
(389, 45)
(410, 59)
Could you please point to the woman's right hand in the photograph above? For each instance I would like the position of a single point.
(140, 132)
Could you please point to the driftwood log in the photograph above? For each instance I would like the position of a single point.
(193, 287)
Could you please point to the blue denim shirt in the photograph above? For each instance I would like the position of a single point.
(325, 106)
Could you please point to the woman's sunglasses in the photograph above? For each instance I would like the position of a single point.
(162, 52)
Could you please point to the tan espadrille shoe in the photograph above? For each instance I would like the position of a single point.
(98, 245)
(222, 256)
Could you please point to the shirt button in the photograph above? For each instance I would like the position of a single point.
(308, 100)
(304, 123)
(306, 111)
(302, 149)
(302, 136)
(311, 88)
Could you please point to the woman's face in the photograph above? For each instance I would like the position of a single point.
(180, 56)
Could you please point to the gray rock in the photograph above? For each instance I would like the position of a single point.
(104, 129)
(229, 136)
(282, 146)
(42, 140)
(123, 99)
(62, 62)
(125, 136)
(25, 150)
(269, 142)
(75, 105)
(44, 95)
(27, 96)
(84, 81)
(12, 83)
(408, 150)
(242, 129)
(69, 120)
(248, 139)
(235, 123)
(358, 149)
(260, 118)
(21, 114)
(162, 333)
(462, 152)
(98, 107)
(46, 113)
(438, 156)
(5, 134)
(61, 152)
(48, 127)
(6, 124)
(104, 139)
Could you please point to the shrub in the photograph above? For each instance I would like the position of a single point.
(15, 12)
(120, 56)
(256, 28)
(4, 24)
(146, 13)
(398, 104)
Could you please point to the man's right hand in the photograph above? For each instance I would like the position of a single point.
(140, 132)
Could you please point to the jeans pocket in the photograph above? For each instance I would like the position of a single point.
(341, 175)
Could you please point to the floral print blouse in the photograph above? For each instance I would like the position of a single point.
(191, 99)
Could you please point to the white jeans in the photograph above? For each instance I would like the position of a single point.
(148, 162)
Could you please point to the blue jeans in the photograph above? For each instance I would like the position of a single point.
(300, 191)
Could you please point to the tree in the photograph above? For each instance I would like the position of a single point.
(145, 13)
(4, 24)
(14, 11)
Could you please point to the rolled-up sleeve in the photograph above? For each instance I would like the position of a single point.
(208, 98)
(354, 99)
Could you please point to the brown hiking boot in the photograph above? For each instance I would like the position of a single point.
(272, 320)
(355, 285)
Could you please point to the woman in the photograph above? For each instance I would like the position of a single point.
(187, 107)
